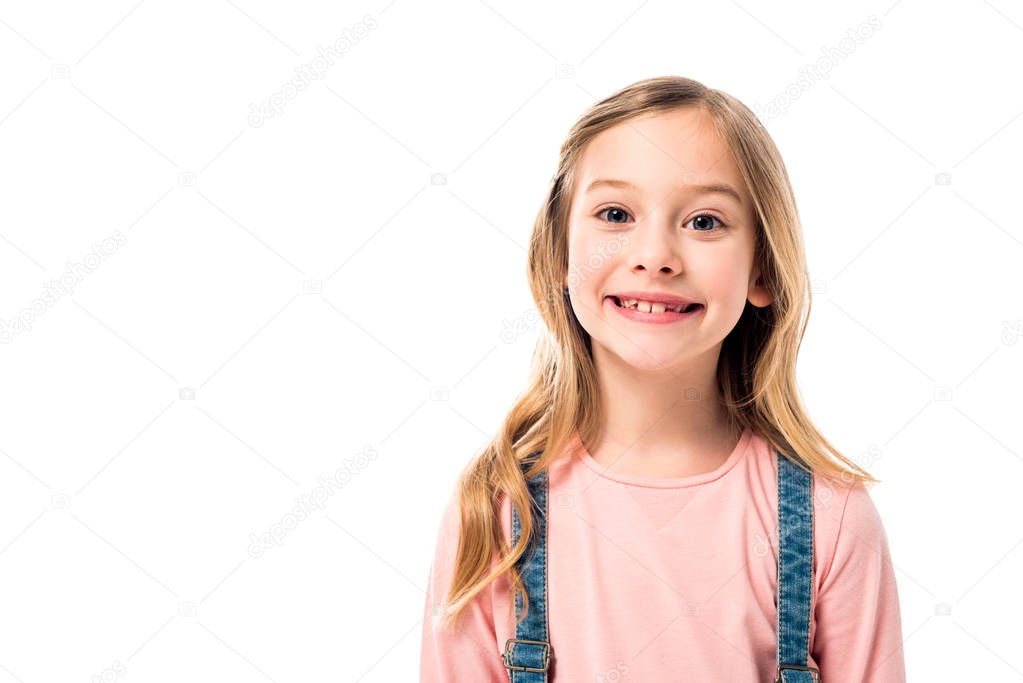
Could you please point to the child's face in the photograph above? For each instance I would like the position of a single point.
(649, 241)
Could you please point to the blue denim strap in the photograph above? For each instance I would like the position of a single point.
(795, 573)
(528, 654)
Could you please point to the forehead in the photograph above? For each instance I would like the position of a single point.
(661, 152)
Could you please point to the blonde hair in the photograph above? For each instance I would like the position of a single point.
(756, 368)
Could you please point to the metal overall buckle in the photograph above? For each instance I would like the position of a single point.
(508, 652)
(814, 671)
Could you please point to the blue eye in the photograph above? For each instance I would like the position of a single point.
(620, 216)
(617, 209)
(706, 215)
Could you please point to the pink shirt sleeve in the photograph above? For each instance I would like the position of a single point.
(467, 652)
(859, 627)
(858, 630)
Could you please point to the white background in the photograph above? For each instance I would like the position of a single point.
(274, 301)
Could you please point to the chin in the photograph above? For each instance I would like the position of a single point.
(650, 360)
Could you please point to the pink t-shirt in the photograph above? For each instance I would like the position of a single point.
(653, 579)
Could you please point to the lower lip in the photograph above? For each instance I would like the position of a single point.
(656, 318)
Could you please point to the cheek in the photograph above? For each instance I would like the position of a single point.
(724, 278)
(591, 254)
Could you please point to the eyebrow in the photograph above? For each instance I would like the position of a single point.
(712, 188)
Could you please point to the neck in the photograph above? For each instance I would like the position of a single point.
(661, 423)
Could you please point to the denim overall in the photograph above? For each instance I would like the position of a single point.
(527, 656)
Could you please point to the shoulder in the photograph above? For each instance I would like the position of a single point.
(448, 530)
(847, 508)
(449, 537)
(845, 518)
(847, 526)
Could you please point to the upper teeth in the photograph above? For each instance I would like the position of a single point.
(650, 306)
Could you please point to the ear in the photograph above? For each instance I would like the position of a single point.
(758, 295)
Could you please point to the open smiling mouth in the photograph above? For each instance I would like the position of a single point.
(653, 312)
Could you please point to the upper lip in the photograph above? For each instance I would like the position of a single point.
(656, 297)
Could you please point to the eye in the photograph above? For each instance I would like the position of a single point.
(703, 225)
(618, 212)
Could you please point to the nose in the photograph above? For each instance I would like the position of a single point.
(655, 247)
